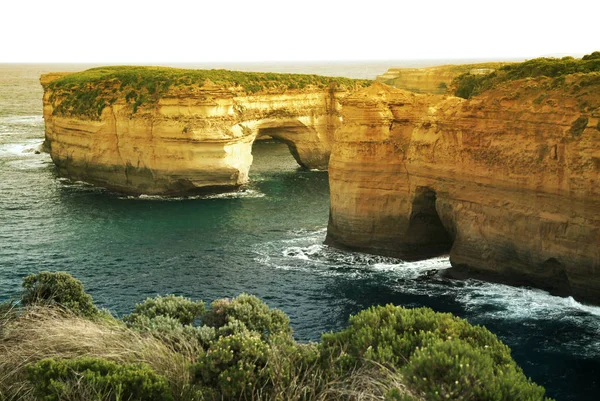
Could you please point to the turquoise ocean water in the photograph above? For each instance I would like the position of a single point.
(265, 240)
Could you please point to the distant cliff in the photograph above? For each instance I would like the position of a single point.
(170, 131)
(507, 183)
(434, 80)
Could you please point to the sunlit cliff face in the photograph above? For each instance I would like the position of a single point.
(504, 182)
(190, 143)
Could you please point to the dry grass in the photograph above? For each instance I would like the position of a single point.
(42, 332)
(370, 382)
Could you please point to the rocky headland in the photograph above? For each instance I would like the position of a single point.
(504, 176)
(151, 130)
(506, 182)
(436, 79)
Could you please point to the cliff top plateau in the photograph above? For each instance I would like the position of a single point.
(86, 94)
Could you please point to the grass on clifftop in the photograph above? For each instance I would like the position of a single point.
(468, 85)
(88, 92)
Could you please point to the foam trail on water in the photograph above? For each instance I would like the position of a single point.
(21, 149)
(488, 302)
(22, 120)
(250, 193)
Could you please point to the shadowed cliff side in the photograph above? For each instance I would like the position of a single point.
(506, 182)
(155, 130)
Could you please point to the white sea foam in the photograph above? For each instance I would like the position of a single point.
(488, 301)
(518, 303)
(250, 193)
(247, 193)
(22, 120)
(21, 149)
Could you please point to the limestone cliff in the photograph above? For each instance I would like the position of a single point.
(168, 131)
(435, 80)
(507, 182)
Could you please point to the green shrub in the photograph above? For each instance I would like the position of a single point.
(109, 380)
(592, 56)
(468, 85)
(441, 356)
(251, 312)
(184, 310)
(391, 334)
(234, 365)
(59, 288)
(173, 333)
(455, 370)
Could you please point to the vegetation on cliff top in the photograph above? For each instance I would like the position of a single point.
(468, 85)
(172, 348)
(87, 93)
(433, 79)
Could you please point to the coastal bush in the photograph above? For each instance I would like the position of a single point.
(182, 309)
(391, 334)
(233, 365)
(42, 332)
(456, 370)
(592, 56)
(467, 85)
(250, 311)
(58, 288)
(51, 378)
(244, 350)
(429, 348)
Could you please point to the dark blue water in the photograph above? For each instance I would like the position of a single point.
(266, 240)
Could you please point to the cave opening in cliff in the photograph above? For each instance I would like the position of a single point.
(275, 150)
(426, 230)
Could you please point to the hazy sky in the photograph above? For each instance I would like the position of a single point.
(111, 31)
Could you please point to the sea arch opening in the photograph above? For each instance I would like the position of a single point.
(426, 232)
(309, 148)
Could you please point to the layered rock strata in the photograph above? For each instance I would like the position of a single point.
(507, 183)
(190, 140)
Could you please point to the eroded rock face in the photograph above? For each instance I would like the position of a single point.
(189, 142)
(507, 182)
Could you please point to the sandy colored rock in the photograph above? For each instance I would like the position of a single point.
(192, 140)
(507, 183)
(434, 80)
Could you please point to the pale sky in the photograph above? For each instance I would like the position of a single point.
(131, 31)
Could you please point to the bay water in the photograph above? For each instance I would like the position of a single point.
(265, 240)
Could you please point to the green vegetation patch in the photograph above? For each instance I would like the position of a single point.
(468, 85)
(173, 348)
(82, 377)
(58, 289)
(87, 93)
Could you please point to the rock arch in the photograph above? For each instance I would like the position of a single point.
(187, 144)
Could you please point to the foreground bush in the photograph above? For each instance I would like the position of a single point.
(184, 310)
(60, 289)
(243, 350)
(439, 355)
(107, 380)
